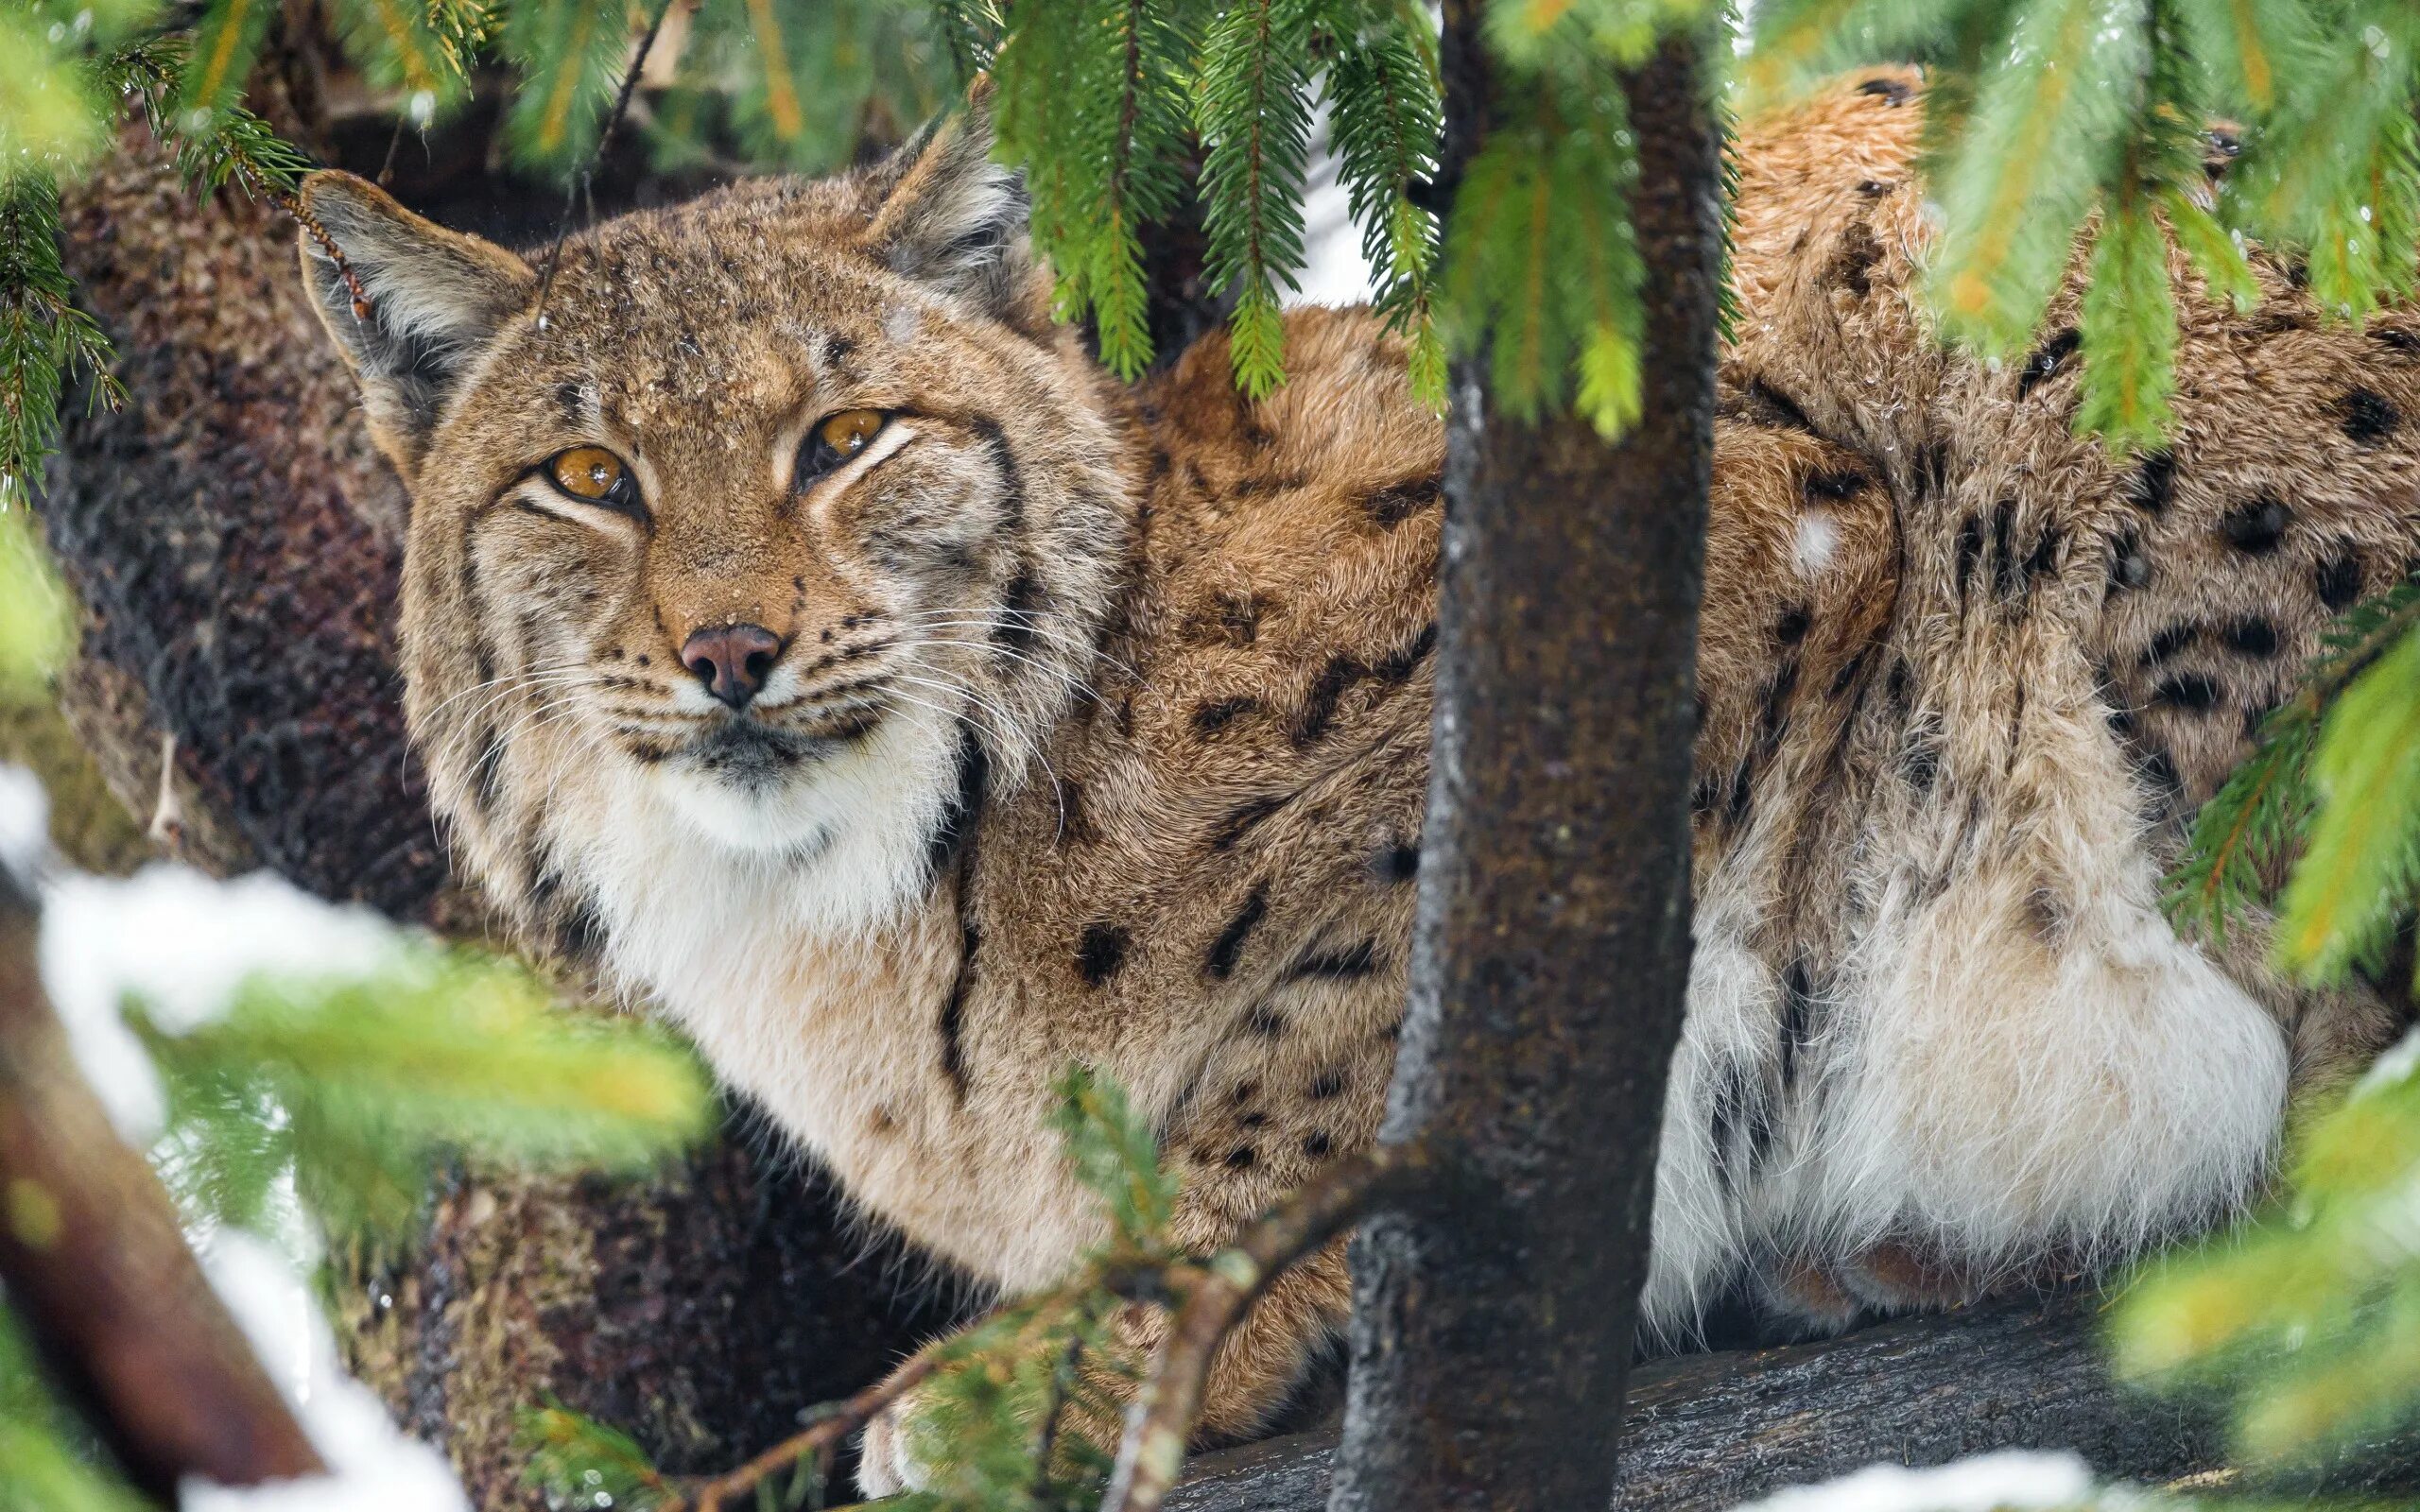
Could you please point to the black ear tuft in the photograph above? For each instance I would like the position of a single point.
(408, 303)
(948, 215)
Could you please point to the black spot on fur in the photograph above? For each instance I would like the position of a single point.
(2396, 339)
(957, 820)
(1847, 678)
(2339, 580)
(1317, 1143)
(1792, 628)
(2128, 566)
(1970, 551)
(1327, 690)
(1240, 820)
(1229, 947)
(2187, 690)
(2367, 417)
(2153, 483)
(1874, 188)
(1740, 793)
(1264, 1020)
(1100, 951)
(1075, 813)
(2252, 636)
(1831, 485)
(1392, 507)
(1245, 1091)
(1398, 664)
(1899, 685)
(1852, 264)
(1768, 406)
(1891, 91)
(1241, 1158)
(1020, 605)
(2044, 561)
(2044, 362)
(1345, 964)
(2168, 642)
(2008, 572)
(1210, 718)
(570, 402)
(1326, 1085)
(2255, 526)
(953, 1014)
(1004, 457)
(1397, 864)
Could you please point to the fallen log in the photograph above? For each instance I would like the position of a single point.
(1707, 1432)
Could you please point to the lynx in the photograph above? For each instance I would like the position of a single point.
(800, 628)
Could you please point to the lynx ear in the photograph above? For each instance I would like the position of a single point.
(945, 213)
(408, 303)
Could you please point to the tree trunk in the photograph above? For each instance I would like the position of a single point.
(234, 544)
(1492, 1313)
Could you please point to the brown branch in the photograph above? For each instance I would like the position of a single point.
(819, 1438)
(1160, 1423)
(95, 1267)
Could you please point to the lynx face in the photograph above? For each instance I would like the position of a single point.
(768, 516)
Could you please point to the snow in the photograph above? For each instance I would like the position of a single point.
(185, 944)
(2392, 1069)
(374, 1467)
(2010, 1481)
(25, 820)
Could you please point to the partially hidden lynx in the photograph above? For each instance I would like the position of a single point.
(799, 628)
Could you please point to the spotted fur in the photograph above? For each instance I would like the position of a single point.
(1101, 730)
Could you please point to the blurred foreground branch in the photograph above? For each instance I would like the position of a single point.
(97, 1268)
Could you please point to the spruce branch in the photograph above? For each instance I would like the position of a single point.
(1253, 112)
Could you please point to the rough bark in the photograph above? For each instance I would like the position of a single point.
(95, 1267)
(1493, 1316)
(234, 542)
(1707, 1432)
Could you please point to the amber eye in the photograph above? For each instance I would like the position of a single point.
(835, 440)
(596, 476)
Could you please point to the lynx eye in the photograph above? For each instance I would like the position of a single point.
(835, 440)
(595, 475)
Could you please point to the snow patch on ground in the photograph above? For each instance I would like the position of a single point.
(25, 820)
(185, 944)
(374, 1467)
(2010, 1481)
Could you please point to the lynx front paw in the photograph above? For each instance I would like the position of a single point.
(886, 1462)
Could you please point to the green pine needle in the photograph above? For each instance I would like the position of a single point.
(570, 54)
(2047, 128)
(2128, 329)
(1253, 108)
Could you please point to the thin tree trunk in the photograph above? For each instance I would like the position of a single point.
(1493, 1316)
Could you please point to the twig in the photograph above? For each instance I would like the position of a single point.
(1160, 1422)
(1062, 1385)
(819, 1438)
(167, 828)
(587, 174)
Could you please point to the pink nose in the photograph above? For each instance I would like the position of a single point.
(732, 660)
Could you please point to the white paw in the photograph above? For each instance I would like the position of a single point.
(884, 1465)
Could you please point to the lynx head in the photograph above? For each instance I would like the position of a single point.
(737, 546)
